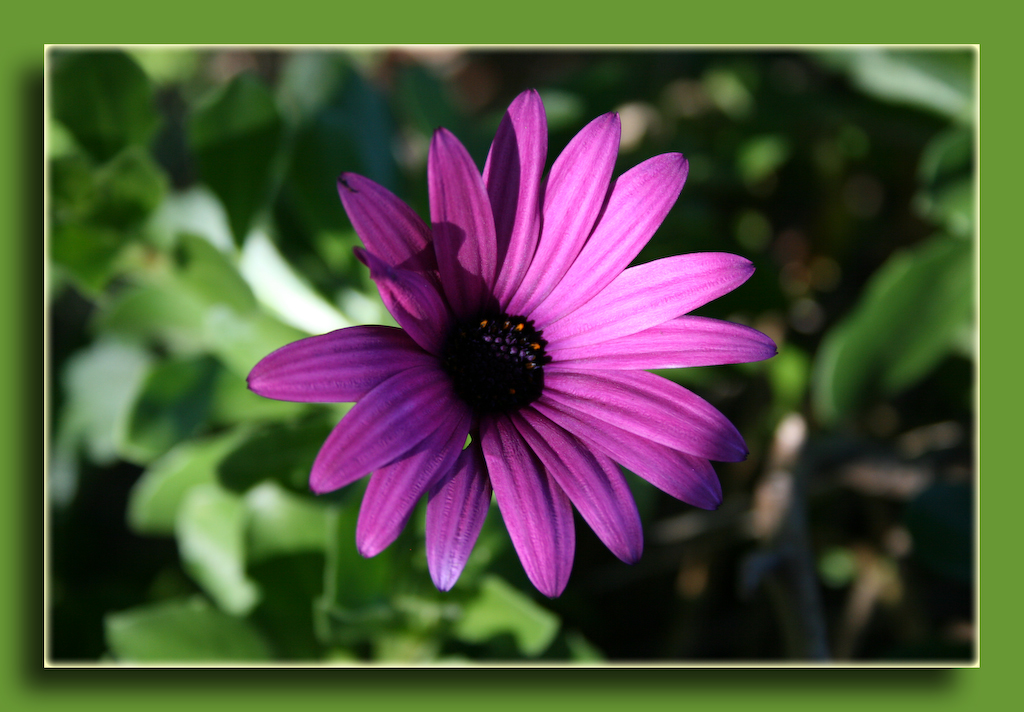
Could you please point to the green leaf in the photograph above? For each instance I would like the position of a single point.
(283, 292)
(356, 605)
(236, 135)
(174, 404)
(290, 585)
(182, 631)
(88, 253)
(280, 452)
(350, 129)
(210, 529)
(939, 80)
(127, 189)
(241, 342)
(234, 403)
(952, 207)
(910, 317)
(157, 311)
(284, 523)
(209, 274)
(947, 173)
(427, 103)
(104, 99)
(500, 608)
(155, 499)
(102, 383)
(203, 305)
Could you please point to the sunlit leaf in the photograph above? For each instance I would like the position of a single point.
(202, 306)
(104, 99)
(236, 135)
(233, 402)
(284, 523)
(156, 497)
(500, 608)
(157, 311)
(939, 80)
(909, 318)
(102, 383)
(195, 211)
(283, 292)
(210, 529)
(182, 631)
(208, 274)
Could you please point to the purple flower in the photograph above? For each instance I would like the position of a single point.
(523, 328)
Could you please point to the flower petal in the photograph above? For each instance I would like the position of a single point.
(512, 175)
(395, 489)
(338, 367)
(648, 295)
(649, 406)
(683, 342)
(685, 477)
(463, 225)
(455, 515)
(412, 300)
(536, 511)
(573, 198)
(387, 226)
(592, 482)
(639, 201)
(391, 420)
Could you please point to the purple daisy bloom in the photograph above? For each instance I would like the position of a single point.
(524, 328)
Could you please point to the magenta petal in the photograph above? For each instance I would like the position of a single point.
(682, 342)
(338, 367)
(463, 225)
(592, 482)
(456, 512)
(685, 477)
(536, 511)
(387, 226)
(648, 295)
(639, 201)
(573, 197)
(395, 489)
(512, 175)
(650, 406)
(391, 420)
(412, 300)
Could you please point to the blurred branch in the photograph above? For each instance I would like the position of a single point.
(784, 562)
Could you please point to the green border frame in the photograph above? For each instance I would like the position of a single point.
(25, 685)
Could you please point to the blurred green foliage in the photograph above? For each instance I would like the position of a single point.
(194, 227)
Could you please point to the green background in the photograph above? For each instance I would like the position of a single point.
(28, 686)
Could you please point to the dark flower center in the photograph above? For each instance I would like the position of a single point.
(496, 362)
